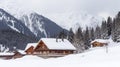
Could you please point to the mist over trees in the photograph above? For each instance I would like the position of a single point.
(109, 29)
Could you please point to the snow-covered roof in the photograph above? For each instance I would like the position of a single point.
(21, 51)
(31, 44)
(5, 53)
(60, 45)
(101, 40)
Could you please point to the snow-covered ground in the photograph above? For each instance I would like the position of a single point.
(94, 57)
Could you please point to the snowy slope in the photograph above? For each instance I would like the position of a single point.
(9, 22)
(95, 57)
(13, 33)
(40, 25)
(31, 24)
(3, 48)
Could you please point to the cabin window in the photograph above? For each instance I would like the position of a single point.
(69, 52)
(52, 51)
(44, 52)
(47, 52)
(40, 52)
(64, 52)
(35, 52)
(29, 53)
(59, 51)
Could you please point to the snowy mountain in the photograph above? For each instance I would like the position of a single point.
(17, 33)
(75, 19)
(13, 33)
(7, 21)
(40, 25)
(67, 20)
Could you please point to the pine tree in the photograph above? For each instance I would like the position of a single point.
(79, 34)
(104, 30)
(116, 22)
(109, 26)
(92, 37)
(97, 32)
(114, 31)
(78, 40)
(86, 38)
(71, 36)
(62, 34)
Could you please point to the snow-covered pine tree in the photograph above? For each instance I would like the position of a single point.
(98, 32)
(92, 37)
(109, 26)
(104, 30)
(78, 40)
(71, 36)
(116, 28)
(86, 38)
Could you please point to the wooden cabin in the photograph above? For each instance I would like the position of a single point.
(99, 43)
(51, 46)
(12, 55)
(18, 54)
(6, 56)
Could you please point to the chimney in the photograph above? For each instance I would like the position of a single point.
(62, 35)
(57, 39)
(63, 39)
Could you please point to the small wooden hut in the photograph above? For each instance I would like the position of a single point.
(18, 54)
(99, 43)
(6, 55)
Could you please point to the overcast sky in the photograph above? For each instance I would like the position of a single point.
(95, 7)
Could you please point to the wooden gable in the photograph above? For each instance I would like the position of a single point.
(41, 46)
(17, 55)
(30, 50)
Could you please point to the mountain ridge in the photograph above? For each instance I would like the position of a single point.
(40, 25)
(17, 33)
